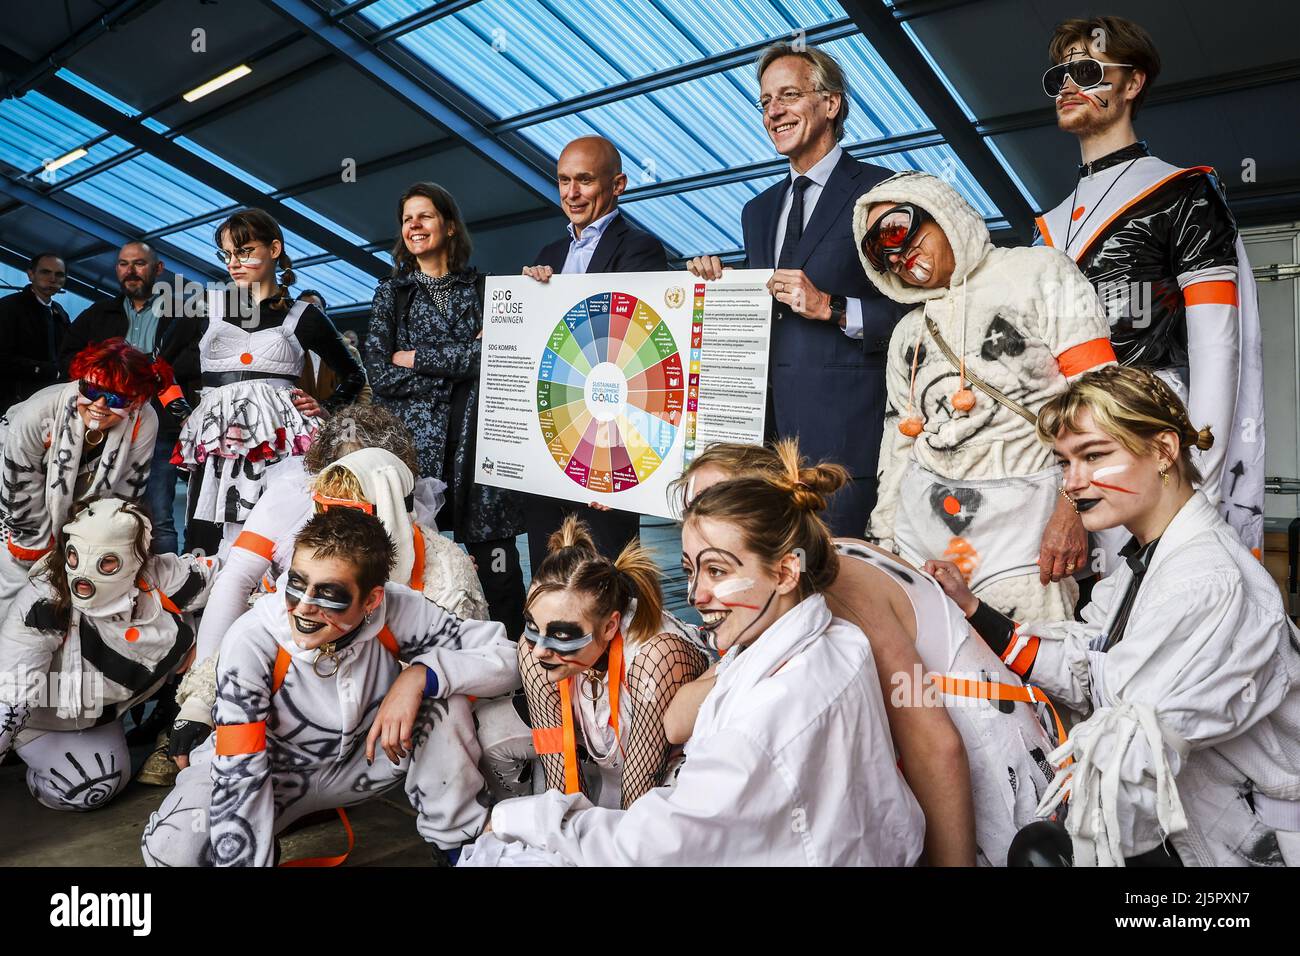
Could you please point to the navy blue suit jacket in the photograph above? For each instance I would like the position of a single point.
(622, 248)
(827, 388)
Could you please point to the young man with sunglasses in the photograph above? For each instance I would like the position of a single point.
(830, 326)
(1160, 245)
(315, 709)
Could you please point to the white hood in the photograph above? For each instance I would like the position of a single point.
(960, 222)
(387, 483)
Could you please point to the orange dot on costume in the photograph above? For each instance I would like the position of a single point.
(246, 358)
(132, 634)
(1077, 213)
(951, 505)
(911, 427)
(963, 400)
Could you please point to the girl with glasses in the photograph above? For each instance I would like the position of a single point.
(249, 415)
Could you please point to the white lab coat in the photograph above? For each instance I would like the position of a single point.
(790, 764)
(1196, 707)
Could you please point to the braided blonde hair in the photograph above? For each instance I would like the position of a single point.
(1133, 406)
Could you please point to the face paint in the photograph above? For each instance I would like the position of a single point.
(734, 586)
(715, 619)
(690, 489)
(561, 640)
(1107, 471)
(294, 597)
(330, 597)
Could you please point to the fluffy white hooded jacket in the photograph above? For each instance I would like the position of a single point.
(1026, 321)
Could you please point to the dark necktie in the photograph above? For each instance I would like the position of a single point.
(1138, 559)
(793, 225)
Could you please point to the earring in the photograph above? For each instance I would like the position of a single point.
(1164, 474)
(369, 615)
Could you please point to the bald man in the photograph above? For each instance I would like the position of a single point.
(590, 176)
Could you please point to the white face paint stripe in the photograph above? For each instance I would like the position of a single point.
(734, 586)
(1108, 470)
(690, 489)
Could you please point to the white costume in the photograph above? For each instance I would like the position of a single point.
(1006, 743)
(240, 428)
(65, 682)
(790, 764)
(44, 456)
(264, 550)
(977, 487)
(282, 751)
(1195, 712)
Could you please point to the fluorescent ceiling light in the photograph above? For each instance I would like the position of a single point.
(217, 83)
(63, 160)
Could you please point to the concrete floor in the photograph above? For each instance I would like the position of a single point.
(31, 835)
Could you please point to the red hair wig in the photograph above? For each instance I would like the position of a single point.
(115, 365)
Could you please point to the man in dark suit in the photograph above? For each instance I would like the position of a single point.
(590, 176)
(156, 325)
(33, 327)
(830, 326)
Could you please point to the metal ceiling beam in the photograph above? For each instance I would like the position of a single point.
(217, 178)
(742, 56)
(429, 96)
(904, 10)
(101, 226)
(1253, 78)
(417, 20)
(346, 11)
(901, 55)
(92, 31)
(379, 164)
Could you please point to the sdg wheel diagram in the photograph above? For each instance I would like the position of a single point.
(610, 392)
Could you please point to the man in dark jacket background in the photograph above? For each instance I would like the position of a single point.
(591, 178)
(152, 320)
(32, 327)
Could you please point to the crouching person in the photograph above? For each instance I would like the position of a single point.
(98, 629)
(315, 710)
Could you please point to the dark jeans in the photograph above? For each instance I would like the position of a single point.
(611, 530)
(160, 496)
(502, 578)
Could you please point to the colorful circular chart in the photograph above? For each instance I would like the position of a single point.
(610, 392)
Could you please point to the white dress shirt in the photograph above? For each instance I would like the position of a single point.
(819, 173)
(581, 249)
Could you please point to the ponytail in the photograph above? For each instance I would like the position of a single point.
(641, 579)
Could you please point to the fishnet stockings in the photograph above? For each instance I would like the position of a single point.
(658, 671)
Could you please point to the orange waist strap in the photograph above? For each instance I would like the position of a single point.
(992, 690)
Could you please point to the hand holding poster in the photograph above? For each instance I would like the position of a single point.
(601, 387)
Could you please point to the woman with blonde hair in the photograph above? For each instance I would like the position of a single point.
(1184, 662)
(790, 762)
(955, 711)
